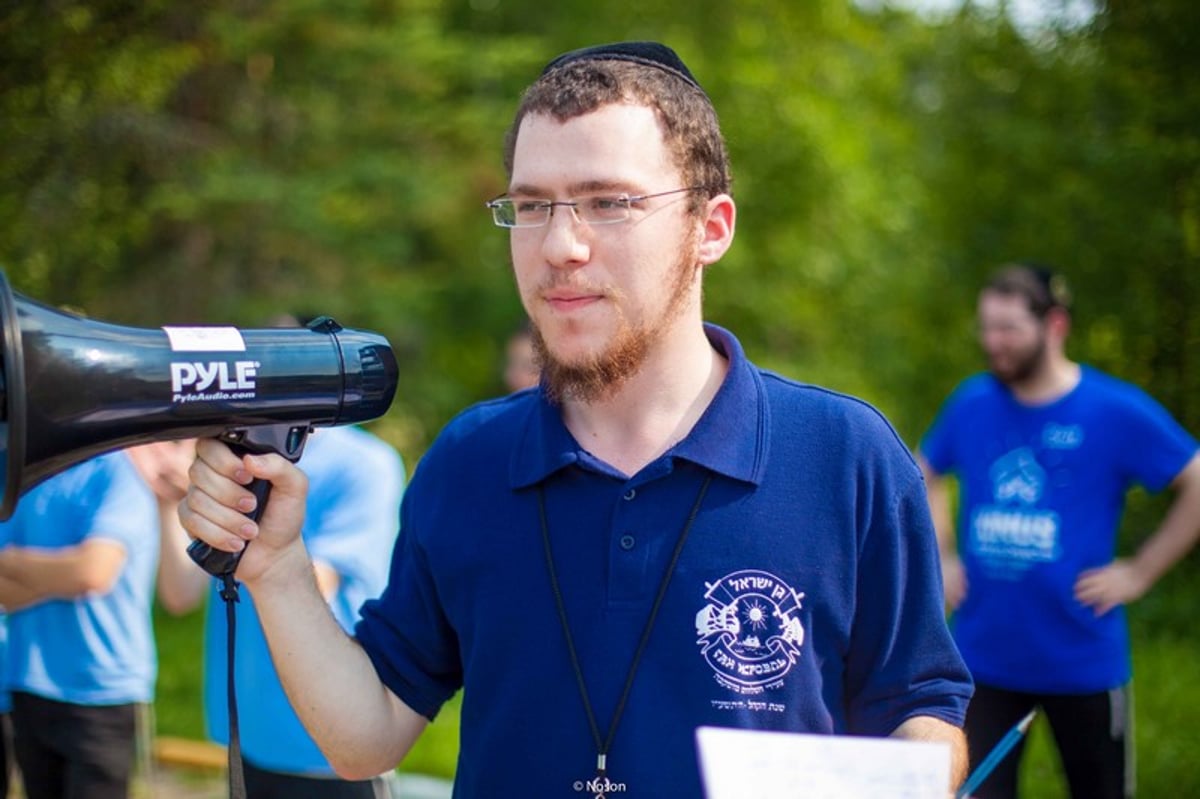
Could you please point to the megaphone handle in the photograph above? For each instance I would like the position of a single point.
(218, 562)
(284, 439)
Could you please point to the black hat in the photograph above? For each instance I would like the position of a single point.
(650, 54)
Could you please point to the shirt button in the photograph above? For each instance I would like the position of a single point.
(630, 494)
(627, 542)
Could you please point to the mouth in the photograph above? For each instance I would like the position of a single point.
(566, 301)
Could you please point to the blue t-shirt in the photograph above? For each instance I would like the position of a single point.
(351, 517)
(807, 596)
(1042, 489)
(98, 649)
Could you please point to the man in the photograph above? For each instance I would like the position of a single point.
(355, 483)
(77, 579)
(662, 536)
(1045, 450)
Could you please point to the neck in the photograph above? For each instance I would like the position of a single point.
(1055, 379)
(655, 408)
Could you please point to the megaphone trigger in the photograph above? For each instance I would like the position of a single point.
(284, 439)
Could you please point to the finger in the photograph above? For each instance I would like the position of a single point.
(221, 459)
(284, 476)
(222, 488)
(1096, 595)
(1089, 591)
(216, 524)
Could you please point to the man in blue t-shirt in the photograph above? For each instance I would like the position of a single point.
(77, 563)
(660, 536)
(1044, 451)
(355, 483)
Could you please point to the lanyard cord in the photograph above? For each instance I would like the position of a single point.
(602, 747)
(237, 781)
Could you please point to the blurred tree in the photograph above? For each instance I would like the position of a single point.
(221, 162)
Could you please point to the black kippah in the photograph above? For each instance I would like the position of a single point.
(650, 54)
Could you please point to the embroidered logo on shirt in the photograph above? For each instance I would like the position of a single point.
(750, 632)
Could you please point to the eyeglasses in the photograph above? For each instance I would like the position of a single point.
(594, 209)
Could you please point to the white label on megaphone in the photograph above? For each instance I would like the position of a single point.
(205, 339)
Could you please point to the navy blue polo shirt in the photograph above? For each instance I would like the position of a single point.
(807, 597)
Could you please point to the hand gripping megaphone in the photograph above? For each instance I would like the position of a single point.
(73, 388)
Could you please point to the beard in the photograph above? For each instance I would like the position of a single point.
(599, 376)
(1021, 366)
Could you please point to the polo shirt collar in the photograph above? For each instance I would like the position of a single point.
(730, 438)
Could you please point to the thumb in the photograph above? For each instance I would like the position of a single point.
(284, 484)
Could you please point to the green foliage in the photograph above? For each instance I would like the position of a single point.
(220, 162)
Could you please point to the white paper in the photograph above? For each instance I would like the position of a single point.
(750, 764)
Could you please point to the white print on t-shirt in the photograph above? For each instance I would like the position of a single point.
(1011, 535)
(749, 631)
(1017, 476)
(1062, 436)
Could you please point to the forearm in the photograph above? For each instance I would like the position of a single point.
(16, 596)
(938, 494)
(30, 575)
(182, 584)
(87, 568)
(1178, 532)
(927, 728)
(360, 726)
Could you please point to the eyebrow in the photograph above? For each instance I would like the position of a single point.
(573, 190)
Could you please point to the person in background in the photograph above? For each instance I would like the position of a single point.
(352, 514)
(5, 711)
(77, 563)
(1044, 450)
(661, 536)
(520, 361)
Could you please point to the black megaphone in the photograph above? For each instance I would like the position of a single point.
(72, 388)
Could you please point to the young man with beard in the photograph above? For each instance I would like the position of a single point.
(661, 536)
(1045, 450)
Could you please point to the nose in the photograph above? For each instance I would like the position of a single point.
(565, 242)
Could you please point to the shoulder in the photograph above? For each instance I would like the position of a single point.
(829, 420)
(1102, 385)
(490, 423)
(978, 388)
(1121, 402)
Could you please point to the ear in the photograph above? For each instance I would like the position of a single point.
(1058, 322)
(718, 226)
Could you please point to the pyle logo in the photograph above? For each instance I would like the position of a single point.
(198, 376)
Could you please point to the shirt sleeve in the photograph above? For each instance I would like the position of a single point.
(902, 661)
(122, 508)
(937, 445)
(405, 631)
(1156, 447)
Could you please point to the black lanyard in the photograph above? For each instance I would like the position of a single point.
(237, 779)
(603, 745)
